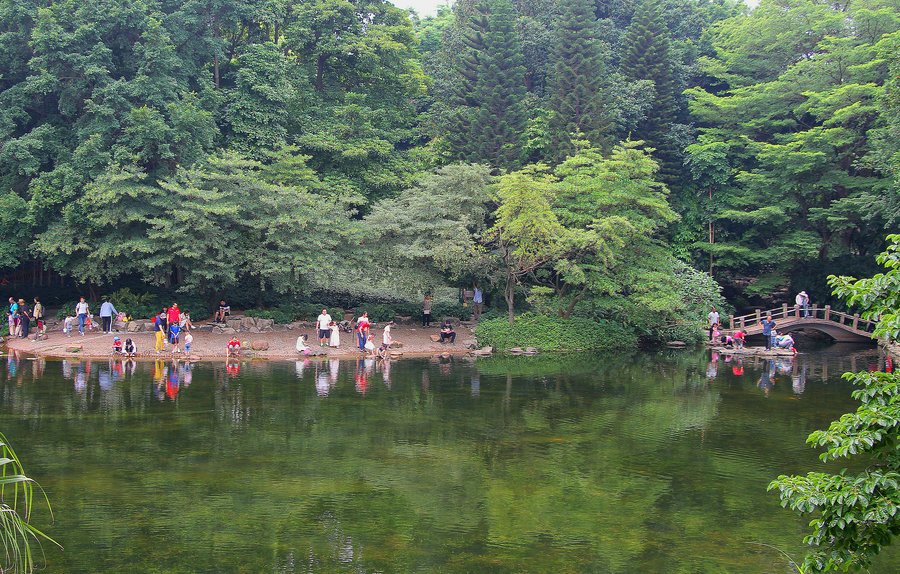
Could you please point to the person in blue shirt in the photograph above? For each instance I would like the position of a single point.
(107, 312)
(768, 325)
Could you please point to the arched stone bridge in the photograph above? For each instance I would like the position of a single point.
(839, 326)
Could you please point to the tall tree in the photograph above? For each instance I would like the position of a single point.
(575, 86)
(487, 126)
(645, 56)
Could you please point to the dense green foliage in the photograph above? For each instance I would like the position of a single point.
(268, 151)
(547, 333)
(856, 514)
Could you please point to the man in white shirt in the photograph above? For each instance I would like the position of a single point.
(323, 324)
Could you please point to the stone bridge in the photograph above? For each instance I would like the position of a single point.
(839, 326)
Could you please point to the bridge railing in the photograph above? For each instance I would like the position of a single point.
(825, 313)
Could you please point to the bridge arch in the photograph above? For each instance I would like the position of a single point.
(839, 326)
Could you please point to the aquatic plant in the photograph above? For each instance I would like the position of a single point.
(16, 504)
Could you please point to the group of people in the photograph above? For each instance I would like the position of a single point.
(19, 318)
(169, 325)
(772, 338)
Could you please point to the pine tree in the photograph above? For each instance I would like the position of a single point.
(488, 125)
(576, 84)
(646, 57)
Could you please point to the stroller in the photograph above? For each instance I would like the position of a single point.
(345, 327)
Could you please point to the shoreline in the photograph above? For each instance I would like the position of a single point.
(280, 345)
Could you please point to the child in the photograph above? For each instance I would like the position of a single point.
(386, 337)
(188, 339)
(68, 324)
(739, 340)
(130, 349)
(302, 347)
(233, 346)
(174, 333)
(370, 346)
(335, 339)
(117, 346)
(12, 323)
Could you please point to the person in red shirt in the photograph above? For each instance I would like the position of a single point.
(233, 346)
(172, 314)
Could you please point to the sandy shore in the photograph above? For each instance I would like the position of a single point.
(415, 340)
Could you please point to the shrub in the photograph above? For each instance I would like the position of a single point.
(141, 306)
(547, 333)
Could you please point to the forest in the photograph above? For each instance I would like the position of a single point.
(626, 161)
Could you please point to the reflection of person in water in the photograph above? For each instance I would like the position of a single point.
(712, 368)
(765, 381)
(798, 379)
(362, 377)
(737, 368)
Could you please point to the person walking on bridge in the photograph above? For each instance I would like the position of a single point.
(802, 301)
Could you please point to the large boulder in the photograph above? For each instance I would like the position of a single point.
(260, 345)
(265, 324)
(233, 322)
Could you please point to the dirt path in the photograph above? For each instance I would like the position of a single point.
(415, 341)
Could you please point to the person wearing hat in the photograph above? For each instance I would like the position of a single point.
(117, 345)
(802, 301)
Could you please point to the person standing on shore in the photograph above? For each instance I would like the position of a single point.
(81, 311)
(477, 302)
(107, 312)
(426, 311)
(159, 329)
(335, 338)
(362, 330)
(25, 317)
(768, 326)
(38, 313)
(713, 319)
(386, 338)
(323, 324)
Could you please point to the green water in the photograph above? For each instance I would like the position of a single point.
(645, 463)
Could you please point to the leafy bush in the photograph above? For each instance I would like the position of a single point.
(547, 333)
(690, 332)
(136, 306)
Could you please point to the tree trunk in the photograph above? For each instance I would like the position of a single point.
(510, 295)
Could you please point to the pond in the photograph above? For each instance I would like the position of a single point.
(653, 462)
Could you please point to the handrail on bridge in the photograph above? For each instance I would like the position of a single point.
(795, 312)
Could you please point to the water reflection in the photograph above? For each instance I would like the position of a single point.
(551, 463)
